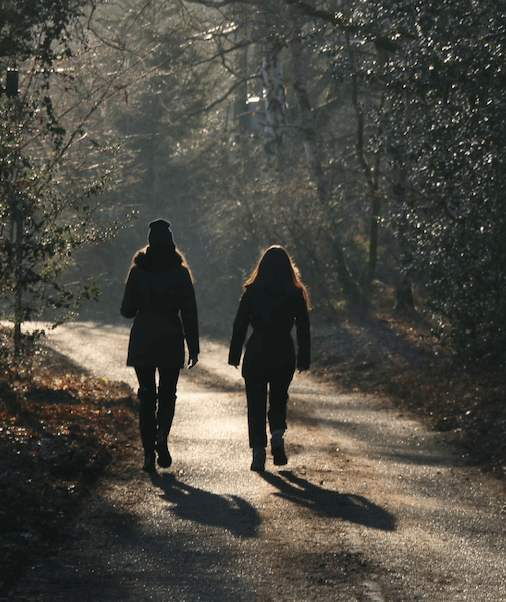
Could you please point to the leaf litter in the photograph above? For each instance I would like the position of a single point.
(59, 430)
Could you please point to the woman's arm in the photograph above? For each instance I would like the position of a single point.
(303, 334)
(189, 317)
(240, 330)
(129, 306)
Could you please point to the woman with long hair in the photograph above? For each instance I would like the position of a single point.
(159, 295)
(274, 299)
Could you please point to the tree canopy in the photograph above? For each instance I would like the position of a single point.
(446, 84)
(47, 185)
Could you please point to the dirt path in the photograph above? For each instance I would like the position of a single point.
(370, 507)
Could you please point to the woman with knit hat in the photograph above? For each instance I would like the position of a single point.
(159, 295)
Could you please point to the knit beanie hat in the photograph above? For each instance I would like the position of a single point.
(160, 234)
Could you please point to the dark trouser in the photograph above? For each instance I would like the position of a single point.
(149, 415)
(276, 381)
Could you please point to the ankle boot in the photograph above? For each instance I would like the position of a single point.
(258, 464)
(164, 457)
(149, 462)
(278, 448)
(147, 426)
(165, 416)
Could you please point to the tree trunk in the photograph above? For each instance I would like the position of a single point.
(275, 105)
(373, 245)
(241, 115)
(18, 304)
(349, 287)
(372, 182)
(404, 290)
(307, 119)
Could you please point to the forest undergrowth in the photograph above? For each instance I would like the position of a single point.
(61, 428)
(398, 357)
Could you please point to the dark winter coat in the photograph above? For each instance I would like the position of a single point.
(159, 295)
(272, 315)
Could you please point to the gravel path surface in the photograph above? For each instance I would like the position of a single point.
(371, 506)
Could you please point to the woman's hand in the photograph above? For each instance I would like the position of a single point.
(192, 361)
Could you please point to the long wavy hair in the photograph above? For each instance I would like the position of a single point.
(276, 270)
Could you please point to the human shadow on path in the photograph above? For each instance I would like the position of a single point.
(230, 513)
(347, 507)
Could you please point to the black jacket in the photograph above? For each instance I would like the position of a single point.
(159, 295)
(272, 314)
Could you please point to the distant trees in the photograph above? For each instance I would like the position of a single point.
(273, 108)
(396, 109)
(367, 137)
(329, 134)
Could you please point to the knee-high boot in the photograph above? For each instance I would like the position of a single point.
(147, 426)
(165, 417)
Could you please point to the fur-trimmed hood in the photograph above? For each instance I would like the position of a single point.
(151, 261)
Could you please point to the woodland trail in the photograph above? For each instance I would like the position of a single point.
(371, 506)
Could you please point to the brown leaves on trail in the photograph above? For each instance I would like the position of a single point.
(62, 405)
(82, 386)
(58, 432)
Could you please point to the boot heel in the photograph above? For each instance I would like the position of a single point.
(278, 450)
(258, 464)
(164, 457)
(149, 462)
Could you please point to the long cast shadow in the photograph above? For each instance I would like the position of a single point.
(190, 503)
(347, 507)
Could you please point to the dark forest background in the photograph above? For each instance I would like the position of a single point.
(367, 137)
